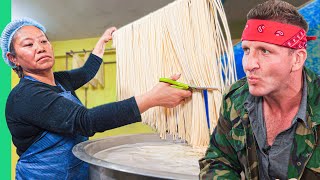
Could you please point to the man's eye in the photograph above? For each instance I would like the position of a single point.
(265, 51)
(44, 41)
(29, 44)
(246, 50)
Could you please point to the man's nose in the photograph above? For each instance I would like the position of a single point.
(250, 62)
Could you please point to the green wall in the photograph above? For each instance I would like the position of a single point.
(5, 149)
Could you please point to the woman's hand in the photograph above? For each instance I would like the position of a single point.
(101, 44)
(162, 94)
(107, 35)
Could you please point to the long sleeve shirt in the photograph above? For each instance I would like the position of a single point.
(233, 144)
(34, 107)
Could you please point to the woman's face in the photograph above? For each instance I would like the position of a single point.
(33, 51)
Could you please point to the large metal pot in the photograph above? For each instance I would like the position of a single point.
(101, 169)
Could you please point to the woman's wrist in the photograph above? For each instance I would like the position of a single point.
(99, 48)
(144, 102)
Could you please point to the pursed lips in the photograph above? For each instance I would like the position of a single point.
(252, 79)
(43, 57)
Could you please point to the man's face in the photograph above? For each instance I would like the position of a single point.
(267, 67)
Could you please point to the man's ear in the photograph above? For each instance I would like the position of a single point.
(12, 58)
(299, 57)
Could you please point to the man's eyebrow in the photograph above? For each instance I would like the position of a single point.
(263, 47)
(244, 46)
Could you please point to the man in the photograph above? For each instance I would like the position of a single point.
(268, 125)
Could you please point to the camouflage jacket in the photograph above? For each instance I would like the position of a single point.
(232, 148)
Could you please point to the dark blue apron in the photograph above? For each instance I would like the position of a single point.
(50, 157)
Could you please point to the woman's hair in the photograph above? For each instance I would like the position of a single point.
(17, 69)
(279, 11)
(9, 31)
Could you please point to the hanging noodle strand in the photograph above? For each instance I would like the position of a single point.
(187, 36)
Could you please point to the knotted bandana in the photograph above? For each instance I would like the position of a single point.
(272, 32)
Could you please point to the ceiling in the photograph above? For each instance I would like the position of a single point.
(76, 19)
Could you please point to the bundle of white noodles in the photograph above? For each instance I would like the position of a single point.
(187, 36)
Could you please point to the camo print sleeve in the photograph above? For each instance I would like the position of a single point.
(220, 161)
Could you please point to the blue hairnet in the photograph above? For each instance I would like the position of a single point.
(10, 30)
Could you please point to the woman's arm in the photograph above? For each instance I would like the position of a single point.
(79, 77)
(39, 105)
(101, 44)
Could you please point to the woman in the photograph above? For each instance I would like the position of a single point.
(43, 113)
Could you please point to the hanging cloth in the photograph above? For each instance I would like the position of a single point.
(78, 62)
(93, 81)
(99, 77)
(51, 157)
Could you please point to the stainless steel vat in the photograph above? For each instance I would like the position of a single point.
(101, 169)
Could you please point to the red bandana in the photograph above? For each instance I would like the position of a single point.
(276, 33)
